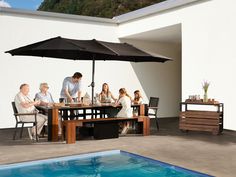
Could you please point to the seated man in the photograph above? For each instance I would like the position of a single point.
(25, 105)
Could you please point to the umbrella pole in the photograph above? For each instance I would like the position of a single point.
(93, 84)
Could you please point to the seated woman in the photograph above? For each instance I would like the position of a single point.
(44, 96)
(138, 99)
(126, 110)
(106, 96)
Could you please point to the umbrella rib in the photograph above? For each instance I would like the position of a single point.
(82, 48)
(107, 47)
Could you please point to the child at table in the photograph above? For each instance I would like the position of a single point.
(126, 110)
(138, 99)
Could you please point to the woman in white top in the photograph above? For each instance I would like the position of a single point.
(126, 110)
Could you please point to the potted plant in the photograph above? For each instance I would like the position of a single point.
(205, 86)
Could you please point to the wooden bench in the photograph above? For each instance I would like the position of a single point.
(70, 125)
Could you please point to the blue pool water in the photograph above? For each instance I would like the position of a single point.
(102, 164)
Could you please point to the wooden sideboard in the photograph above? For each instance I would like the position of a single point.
(201, 119)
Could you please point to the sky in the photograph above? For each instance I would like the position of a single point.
(21, 4)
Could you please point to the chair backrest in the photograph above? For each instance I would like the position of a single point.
(14, 107)
(154, 101)
(15, 111)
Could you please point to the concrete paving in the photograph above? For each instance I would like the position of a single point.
(200, 151)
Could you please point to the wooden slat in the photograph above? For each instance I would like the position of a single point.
(200, 114)
(200, 121)
(197, 127)
(213, 129)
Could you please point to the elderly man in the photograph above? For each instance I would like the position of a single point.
(25, 105)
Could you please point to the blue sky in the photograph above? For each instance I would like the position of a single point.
(24, 4)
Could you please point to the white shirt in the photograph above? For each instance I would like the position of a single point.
(20, 98)
(126, 110)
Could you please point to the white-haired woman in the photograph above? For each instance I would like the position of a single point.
(46, 99)
(44, 95)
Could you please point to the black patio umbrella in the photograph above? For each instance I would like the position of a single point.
(63, 48)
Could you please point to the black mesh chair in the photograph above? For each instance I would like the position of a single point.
(18, 121)
(153, 105)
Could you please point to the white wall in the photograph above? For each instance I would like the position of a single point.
(22, 30)
(209, 54)
(208, 48)
(162, 80)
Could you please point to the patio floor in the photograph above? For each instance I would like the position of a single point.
(200, 151)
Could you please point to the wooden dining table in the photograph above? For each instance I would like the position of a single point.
(53, 113)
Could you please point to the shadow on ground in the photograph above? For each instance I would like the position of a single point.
(168, 128)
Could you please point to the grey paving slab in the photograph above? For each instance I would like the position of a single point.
(204, 152)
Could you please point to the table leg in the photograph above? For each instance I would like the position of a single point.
(53, 124)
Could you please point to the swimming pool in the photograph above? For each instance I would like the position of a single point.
(113, 163)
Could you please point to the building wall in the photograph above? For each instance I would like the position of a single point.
(19, 30)
(208, 48)
(161, 80)
(208, 53)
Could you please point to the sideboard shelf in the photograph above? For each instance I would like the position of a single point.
(201, 119)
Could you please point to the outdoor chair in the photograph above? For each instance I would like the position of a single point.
(18, 121)
(153, 105)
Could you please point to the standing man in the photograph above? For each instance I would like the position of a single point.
(71, 88)
(26, 105)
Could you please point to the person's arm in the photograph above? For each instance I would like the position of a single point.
(25, 104)
(79, 96)
(38, 97)
(68, 95)
(118, 102)
(100, 97)
(113, 97)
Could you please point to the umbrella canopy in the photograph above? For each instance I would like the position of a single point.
(63, 48)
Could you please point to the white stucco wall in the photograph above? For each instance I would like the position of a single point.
(208, 53)
(208, 48)
(19, 30)
(158, 79)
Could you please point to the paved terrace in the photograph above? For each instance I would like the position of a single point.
(203, 152)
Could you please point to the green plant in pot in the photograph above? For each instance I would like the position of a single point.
(205, 87)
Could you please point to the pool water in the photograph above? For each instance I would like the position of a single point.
(114, 163)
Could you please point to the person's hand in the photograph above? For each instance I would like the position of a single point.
(50, 104)
(70, 99)
(37, 102)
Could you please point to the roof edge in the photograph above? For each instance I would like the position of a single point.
(149, 10)
(57, 15)
(155, 8)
